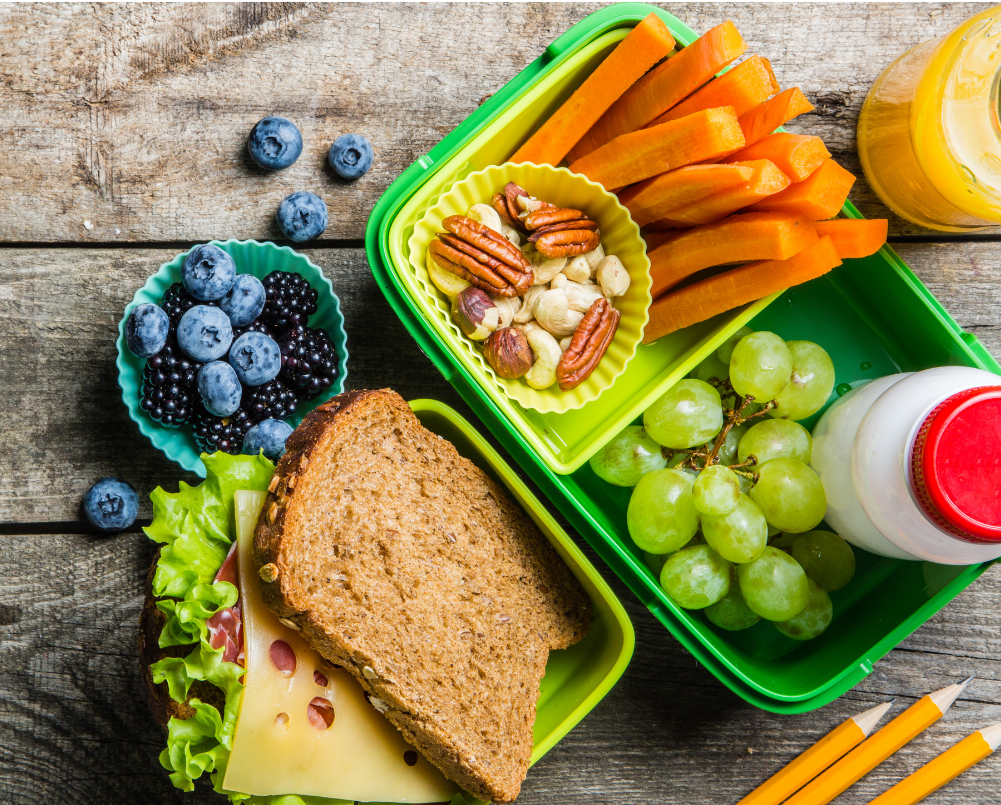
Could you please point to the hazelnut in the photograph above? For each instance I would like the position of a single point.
(508, 352)
(475, 313)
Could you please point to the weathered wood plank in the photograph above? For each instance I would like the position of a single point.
(75, 726)
(132, 119)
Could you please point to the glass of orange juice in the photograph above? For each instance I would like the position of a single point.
(929, 136)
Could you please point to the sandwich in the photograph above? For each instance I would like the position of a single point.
(369, 621)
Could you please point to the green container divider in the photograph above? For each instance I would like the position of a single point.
(871, 312)
(577, 678)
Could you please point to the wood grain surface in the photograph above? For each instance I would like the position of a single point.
(124, 130)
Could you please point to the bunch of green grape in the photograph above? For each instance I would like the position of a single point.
(736, 536)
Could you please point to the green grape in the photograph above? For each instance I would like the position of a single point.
(728, 450)
(716, 490)
(826, 558)
(739, 536)
(813, 620)
(709, 368)
(772, 531)
(783, 540)
(628, 457)
(731, 612)
(696, 577)
(725, 351)
(761, 366)
(745, 484)
(776, 438)
(774, 585)
(655, 561)
(688, 415)
(810, 384)
(790, 494)
(661, 516)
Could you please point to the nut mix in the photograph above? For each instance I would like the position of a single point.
(532, 282)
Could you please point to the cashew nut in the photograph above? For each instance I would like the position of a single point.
(552, 311)
(577, 269)
(547, 357)
(486, 215)
(443, 280)
(544, 268)
(511, 233)
(594, 258)
(527, 311)
(613, 277)
(559, 281)
(581, 297)
(507, 306)
(565, 343)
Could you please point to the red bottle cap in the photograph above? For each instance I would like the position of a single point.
(956, 465)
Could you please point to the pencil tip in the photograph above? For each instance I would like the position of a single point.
(947, 696)
(868, 720)
(992, 735)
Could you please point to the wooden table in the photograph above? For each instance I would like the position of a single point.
(123, 131)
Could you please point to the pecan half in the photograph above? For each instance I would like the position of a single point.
(567, 242)
(559, 215)
(500, 204)
(575, 225)
(588, 345)
(482, 257)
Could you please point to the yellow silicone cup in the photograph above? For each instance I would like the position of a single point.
(619, 236)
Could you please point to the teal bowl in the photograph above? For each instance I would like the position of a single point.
(251, 257)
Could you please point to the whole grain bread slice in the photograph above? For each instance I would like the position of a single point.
(405, 563)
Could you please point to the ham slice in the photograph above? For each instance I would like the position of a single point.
(226, 626)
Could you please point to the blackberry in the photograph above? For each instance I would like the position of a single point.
(291, 300)
(176, 302)
(273, 400)
(256, 326)
(309, 362)
(169, 390)
(223, 433)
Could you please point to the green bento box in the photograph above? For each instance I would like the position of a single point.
(872, 315)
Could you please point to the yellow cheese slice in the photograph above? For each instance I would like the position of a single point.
(277, 750)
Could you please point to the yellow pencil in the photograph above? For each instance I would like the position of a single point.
(817, 758)
(947, 766)
(873, 751)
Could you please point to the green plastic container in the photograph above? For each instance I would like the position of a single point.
(873, 316)
(577, 678)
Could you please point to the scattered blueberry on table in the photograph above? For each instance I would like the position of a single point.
(205, 333)
(208, 273)
(146, 330)
(350, 156)
(268, 436)
(111, 505)
(219, 388)
(302, 216)
(244, 301)
(256, 358)
(274, 143)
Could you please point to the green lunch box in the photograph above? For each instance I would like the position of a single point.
(872, 315)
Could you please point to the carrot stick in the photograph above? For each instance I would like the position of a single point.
(737, 239)
(819, 196)
(764, 118)
(743, 87)
(659, 196)
(665, 86)
(738, 286)
(643, 47)
(641, 154)
(853, 237)
(796, 155)
(655, 239)
(767, 180)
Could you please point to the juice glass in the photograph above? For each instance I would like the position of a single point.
(929, 136)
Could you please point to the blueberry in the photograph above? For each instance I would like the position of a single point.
(302, 216)
(220, 388)
(146, 330)
(208, 273)
(350, 156)
(269, 436)
(205, 333)
(244, 301)
(111, 505)
(256, 358)
(274, 143)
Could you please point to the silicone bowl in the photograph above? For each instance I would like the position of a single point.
(619, 236)
(251, 257)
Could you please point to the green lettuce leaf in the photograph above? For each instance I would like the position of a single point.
(186, 620)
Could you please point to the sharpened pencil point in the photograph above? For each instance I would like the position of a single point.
(992, 735)
(945, 698)
(868, 720)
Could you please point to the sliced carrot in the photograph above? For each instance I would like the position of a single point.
(643, 47)
(664, 86)
(737, 239)
(743, 87)
(819, 196)
(852, 237)
(796, 155)
(641, 154)
(655, 239)
(659, 196)
(767, 180)
(709, 297)
(764, 118)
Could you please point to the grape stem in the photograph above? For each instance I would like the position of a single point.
(709, 452)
